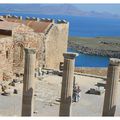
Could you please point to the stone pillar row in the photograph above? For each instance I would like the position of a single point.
(67, 84)
(28, 83)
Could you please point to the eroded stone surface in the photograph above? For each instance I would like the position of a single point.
(48, 90)
(50, 43)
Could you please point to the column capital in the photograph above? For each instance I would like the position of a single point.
(70, 55)
(114, 61)
(30, 50)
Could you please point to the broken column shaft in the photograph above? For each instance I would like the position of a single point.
(67, 84)
(111, 87)
(28, 82)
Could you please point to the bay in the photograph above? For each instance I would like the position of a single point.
(85, 60)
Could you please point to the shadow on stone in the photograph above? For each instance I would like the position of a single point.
(95, 91)
(27, 103)
(111, 112)
(65, 107)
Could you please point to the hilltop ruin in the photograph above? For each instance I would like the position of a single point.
(48, 37)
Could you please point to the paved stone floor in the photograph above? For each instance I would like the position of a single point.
(48, 90)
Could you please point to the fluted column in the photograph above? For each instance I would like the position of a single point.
(67, 84)
(28, 82)
(111, 87)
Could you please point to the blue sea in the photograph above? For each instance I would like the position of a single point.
(86, 27)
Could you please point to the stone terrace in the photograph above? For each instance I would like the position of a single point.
(48, 90)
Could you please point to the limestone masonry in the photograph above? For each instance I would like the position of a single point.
(48, 37)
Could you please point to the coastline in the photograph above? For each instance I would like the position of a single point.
(90, 51)
(101, 47)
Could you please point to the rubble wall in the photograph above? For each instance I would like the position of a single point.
(6, 57)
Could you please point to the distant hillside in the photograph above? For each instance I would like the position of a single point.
(103, 46)
(54, 9)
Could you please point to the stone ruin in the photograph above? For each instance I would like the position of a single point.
(67, 85)
(48, 37)
(15, 38)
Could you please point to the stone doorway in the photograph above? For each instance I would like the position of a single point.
(18, 55)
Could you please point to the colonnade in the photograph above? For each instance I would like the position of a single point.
(109, 106)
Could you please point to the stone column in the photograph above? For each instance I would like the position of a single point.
(67, 84)
(111, 87)
(28, 82)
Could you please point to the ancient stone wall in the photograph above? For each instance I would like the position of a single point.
(56, 45)
(40, 53)
(6, 58)
(23, 37)
(50, 46)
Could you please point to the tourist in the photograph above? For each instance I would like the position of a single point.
(74, 97)
(76, 94)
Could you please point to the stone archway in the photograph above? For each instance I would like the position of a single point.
(18, 55)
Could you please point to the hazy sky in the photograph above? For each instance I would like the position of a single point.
(113, 8)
